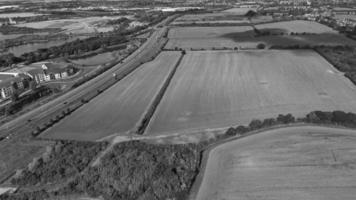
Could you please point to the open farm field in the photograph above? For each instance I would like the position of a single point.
(246, 37)
(205, 32)
(289, 163)
(119, 108)
(239, 11)
(241, 22)
(297, 26)
(218, 18)
(220, 89)
(75, 26)
(209, 17)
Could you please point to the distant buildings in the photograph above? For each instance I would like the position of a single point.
(344, 11)
(18, 80)
(46, 71)
(11, 82)
(345, 17)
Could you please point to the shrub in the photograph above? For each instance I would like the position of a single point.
(261, 46)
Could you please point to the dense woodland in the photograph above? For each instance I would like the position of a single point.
(137, 170)
(61, 161)
(8, 29)
(132, 170)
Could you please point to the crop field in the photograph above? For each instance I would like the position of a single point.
(209, 17)
(290, 163)
(245, 36)
(239, 11)
(219, 18)
(241, 22)
(205, 32)
(298, 26)
(220, 89)
(75, 26)
(118, 109)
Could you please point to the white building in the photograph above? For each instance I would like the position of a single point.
(11, 82)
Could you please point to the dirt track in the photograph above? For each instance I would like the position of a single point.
(299, 163)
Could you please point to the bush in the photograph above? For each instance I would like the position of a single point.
(231, 132)
(261, 46)
(66, 160)
(135, 170)
(255, 124)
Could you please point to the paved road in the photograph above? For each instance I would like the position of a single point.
(297, 163)
(146, 51)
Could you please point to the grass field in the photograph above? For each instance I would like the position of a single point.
(209, 17)
(239, 11)
(219, 18)
(205, 37)
(245, 37)
(298, 26)
(205, 32)
(119, 108)
(290, 163)
(75, 26)
(218, 89)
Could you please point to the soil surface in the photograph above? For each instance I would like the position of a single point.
(313, 163)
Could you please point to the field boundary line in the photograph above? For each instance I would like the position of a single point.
(142, 124)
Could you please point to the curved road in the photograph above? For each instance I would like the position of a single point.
(295, 163)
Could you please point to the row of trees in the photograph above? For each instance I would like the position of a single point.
(339, 118)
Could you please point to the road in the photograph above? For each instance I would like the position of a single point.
(19, 148)
(143, 54)
(294, 163)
